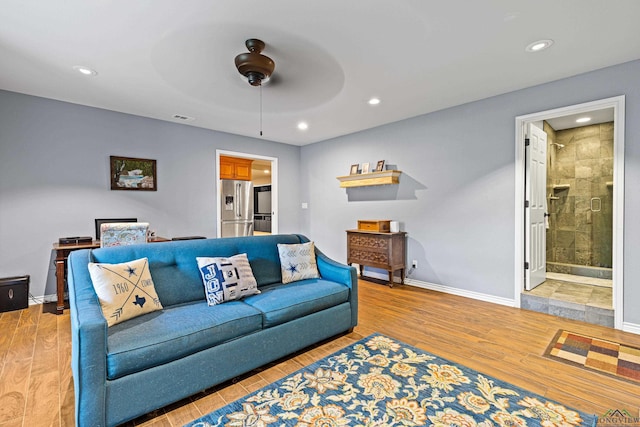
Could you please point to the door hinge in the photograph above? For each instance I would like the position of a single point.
(526, 203)
(526, 142)
(526, 265)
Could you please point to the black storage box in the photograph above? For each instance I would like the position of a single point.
(14, 293)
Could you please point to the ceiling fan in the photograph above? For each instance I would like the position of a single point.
(255, 66)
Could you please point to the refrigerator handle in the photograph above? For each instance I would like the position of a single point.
(238, 200)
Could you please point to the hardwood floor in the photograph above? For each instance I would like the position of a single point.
(36, 387)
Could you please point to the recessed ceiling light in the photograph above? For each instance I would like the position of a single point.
(539, 45)
(303, 126)
(374, 101)
(583, 120)
(85, 70)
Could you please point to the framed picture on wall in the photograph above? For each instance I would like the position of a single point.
(129, 173)
(380, 166)
(354, 169)
(365, 167)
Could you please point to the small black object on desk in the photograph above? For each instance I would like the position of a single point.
(76, 240)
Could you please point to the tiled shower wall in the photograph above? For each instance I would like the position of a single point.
(581, 216)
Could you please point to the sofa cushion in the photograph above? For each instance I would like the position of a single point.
(175, 332)
(227, 279)
(280, 303)
(298, 262)
(125, 290)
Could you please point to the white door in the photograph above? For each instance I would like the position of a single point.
(536, 187)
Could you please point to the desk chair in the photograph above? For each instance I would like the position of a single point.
(123, 233)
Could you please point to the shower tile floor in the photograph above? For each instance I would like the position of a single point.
(573, 297)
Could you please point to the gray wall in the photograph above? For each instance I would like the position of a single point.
(456, 192)
(54, 178)
(455, 199)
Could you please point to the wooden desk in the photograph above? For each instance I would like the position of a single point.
(62, 253)
(380, 250)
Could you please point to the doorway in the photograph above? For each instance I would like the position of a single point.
(616, 189)
(260, 178)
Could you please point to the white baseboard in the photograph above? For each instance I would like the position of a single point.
(634, 328)
(42, 299)
(461, 292)
(446, 289)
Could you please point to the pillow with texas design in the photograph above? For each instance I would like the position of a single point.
(227, 278)
(125, 290)
(298, 262)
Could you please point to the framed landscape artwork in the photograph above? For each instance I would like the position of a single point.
(128, 173)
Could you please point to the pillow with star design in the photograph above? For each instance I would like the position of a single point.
(125, 290)
(298, 262)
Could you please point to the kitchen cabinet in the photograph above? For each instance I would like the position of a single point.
(235, 168)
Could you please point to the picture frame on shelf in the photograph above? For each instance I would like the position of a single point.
(133, 174)
(354, 169)
(380, 166)
(365, 167)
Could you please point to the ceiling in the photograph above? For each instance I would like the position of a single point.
(595, 117)
(161, 58)
(260, 169)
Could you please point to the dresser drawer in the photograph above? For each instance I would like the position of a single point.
(361, 240)
(360, 256)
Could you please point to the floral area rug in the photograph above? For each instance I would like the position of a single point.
(607, 357)
(379, 381)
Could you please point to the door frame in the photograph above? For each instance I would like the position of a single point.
(274, 186)
(618, 105)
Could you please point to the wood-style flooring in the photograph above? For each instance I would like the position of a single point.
(36, 387)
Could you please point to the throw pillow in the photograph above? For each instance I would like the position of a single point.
(298, 262)
(125, 290)
(227, 279)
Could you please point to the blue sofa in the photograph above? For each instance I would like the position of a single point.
(145, 363)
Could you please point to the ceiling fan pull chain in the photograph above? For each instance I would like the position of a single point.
(261, 110)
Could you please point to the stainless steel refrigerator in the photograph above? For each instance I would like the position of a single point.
(237, 208)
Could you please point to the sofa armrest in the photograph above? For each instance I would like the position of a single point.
(88, 340)
(340, 273)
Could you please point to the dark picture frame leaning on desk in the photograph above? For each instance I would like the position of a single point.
(130, 173)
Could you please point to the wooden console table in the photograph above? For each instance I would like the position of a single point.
(62, 253)
(380, 250)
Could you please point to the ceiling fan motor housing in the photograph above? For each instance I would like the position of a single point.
(253, 65)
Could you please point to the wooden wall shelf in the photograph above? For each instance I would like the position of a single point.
(372, 178)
